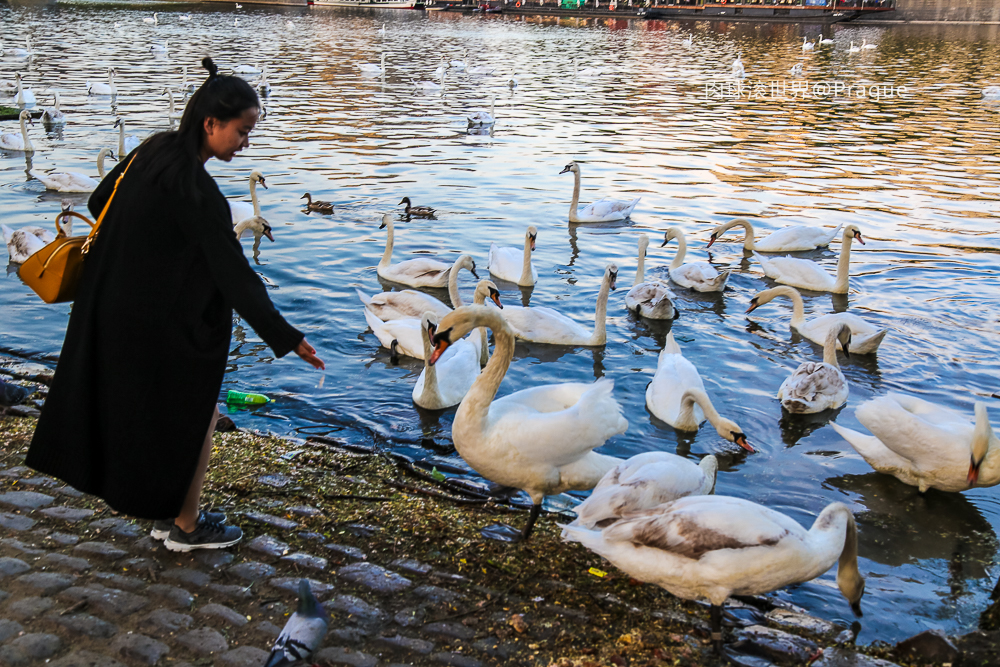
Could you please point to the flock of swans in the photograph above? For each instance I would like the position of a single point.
(654, 515)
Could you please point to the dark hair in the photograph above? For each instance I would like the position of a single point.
(172, 158)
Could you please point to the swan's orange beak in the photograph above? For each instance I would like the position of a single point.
(741, 440)
(495, 296)
(439, 349)
(857, 235)
(532, 243)
(973, 477)
(712, 240)
(753, 305)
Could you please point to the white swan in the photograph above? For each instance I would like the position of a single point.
(926, 445)
(413, 272)
(866, 45)
(699, 276)
(126, 144)
(184, 17)
(652, 299)
(586, 71)
(865, 338)
(787, 239)
(381, 31)
(25, 52)
(738, 70)
(401, 336)
(430, 85)
(254, 223)
(537, 324)
(72, 181)
(806, 274)
(54, 115)
(677, 396)
(101, 89)
(481, 70)
(412, 303)
(159, 49)
(854, 49)
(796, 69)
(185, 85)
(712, 547)
(482, 118)
(241, 210)
(602, 210)
(448, 381)
(815, 387)
(18, 142)
(246, 70)
(25, 242)
(643, 482)
(171, 113)
(459, 64)
(24, 96)
(513, 265)
(991, 93)
(540, 440)
(371, 69)
(687, 41)
(825, 40)
(154, 20)
(806, 44)
(264, 86)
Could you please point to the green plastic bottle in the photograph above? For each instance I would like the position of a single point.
(241, 398)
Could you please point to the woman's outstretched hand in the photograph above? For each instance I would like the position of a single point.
(308, 354)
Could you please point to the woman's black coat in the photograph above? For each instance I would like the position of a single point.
(146, 347)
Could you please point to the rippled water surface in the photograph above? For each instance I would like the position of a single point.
(917, 174)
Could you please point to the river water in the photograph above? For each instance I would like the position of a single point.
(917, 172)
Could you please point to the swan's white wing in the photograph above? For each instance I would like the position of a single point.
(571, 419)
(813, 387)
(797, 238)
(796, 272)
(21, 245)
(66, 181)
(506, 263)
(14, 142)
(544, 325)
(674, 375)
(455, 374)
(608, 209)
(420, 272)
(405, 304)
(928, 435)
(651, 299)
(240, 210)
(408, 333)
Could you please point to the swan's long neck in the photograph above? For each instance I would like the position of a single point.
(576, 194)
(688, 400)
(798, 306)
(830, 347)
(835, 531)
(430, 392)
(473, 413)
(479, 299)
(57, 101)
(453, 293)
(681, 251)
(253, 197)
(748, 240)
(170, 97)
(600, 335)
(28, 146)
(121, 141)
(843, 265)
(100, 163)
(526, 265)
(387, 255)
(20, 92)
(640, 270)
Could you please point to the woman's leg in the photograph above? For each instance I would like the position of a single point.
(188, 518)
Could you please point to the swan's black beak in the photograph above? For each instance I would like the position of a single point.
(711, 240)
(473, 271)
(857, 235)
(382, 226)
(441, 342)
(495, 296)
(741, 440)
(263, 182)
(753, 305)
(565, 169)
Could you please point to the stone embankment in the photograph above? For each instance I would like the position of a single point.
(394, 553)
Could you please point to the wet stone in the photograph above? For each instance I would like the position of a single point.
(224, 614)
(11, 567)
(26, 609)
(357, 608)
(436, 594)
(37, 646)
(4, 595)
(409, 617)
(336, 655)
(148, 544)
(267, 545)
(20, 547)
(312, 537)
(450, 630)
(68, 514)
(161, 622)
(840, 657)
(291, 585)
(9, 628)
(86, 625)
(120, 581)
(68, 490)
(141, 564)
(47, 583)
(494, 648)
(84, 658)
(775, 645)
(230, 592)
(350, 635)
(455, 660)
(271, 520)
(348, 551)
(27, 500)
(375, 577)
(139, 648)
(13, 657)
(36, 481)
(117, 527)
(362, 529)
(63, 539)
(797, 621)
(107, 600)
(57, 561)
(406, 644)
(16, 522)
(267, 629)
(244, 656)
(252, 571)
(100, 550)
(410, 565)
(187, 576)
(304, 510)
(930, 646)
(15, 472)
(277, 480)
(203, 641)
(225, 424)
(213, 558)
(305, 560)
(172, 596)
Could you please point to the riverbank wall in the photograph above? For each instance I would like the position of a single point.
(946, 11)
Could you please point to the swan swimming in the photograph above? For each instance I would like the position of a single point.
(19, 142)
(699, 276)
(514, 265)
(806, 274)
(653, 300)
(72, 181)
(787, 239)
(241, 210)
(602, 210)
(418, 272)
(815, 387)
(407, 304)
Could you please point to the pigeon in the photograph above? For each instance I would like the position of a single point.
(303, 632)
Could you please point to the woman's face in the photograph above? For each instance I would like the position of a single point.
(225, 138)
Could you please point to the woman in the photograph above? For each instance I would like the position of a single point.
(132, 407)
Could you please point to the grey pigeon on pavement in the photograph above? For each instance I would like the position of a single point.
(302, 634)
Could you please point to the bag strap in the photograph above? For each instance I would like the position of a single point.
(93, 230)
(70, 214)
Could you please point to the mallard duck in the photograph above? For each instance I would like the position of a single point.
(417, 211)
(317, 206)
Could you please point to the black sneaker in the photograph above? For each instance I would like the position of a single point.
(161, 529)
(206, 535)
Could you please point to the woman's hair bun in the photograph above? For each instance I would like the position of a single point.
(213, 69)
